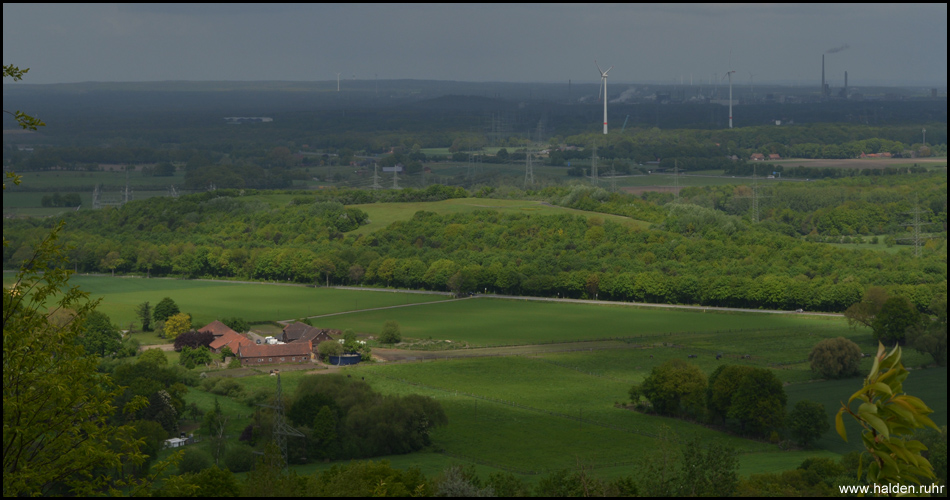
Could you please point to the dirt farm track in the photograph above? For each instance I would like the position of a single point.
(861, 162)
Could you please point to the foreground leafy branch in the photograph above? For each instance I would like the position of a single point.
(886, 413)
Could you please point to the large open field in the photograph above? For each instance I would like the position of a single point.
(873, 163)
(541, 407)
(553, 399)
(384, 214)
(209, 300)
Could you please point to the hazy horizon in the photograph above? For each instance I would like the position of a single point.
(877, 44)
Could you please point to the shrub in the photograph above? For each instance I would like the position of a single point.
(194, 460)
(329, 348)
(391, 333)
(239, 459)
(228, 387)
(835, 358)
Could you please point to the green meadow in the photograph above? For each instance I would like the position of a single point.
(541, 411)
(210, 300)
(383, 214)
(493, 322)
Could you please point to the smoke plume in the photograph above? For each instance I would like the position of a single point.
(837, 49)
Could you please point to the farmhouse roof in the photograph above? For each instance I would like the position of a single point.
(774, 156)
(231, 339)
(274, 350)
(216, 328)
(298, 332)
(314, 336)
(757, 156)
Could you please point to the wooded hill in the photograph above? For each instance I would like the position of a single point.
(692, 254)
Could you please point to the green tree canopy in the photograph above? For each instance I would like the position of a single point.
(176, 325)
(56, 405)
(896, 317)
(675, 387)
(100, 337)
(165, 309)
(759, 402)
(807, 421)
(835, 358)
(722, 388)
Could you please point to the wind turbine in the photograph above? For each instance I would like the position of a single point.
(729, 74)
(603, 80)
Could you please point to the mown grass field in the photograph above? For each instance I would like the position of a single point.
(210, 300)
(382, 215)
(491, 321)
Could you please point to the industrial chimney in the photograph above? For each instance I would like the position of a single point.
(822, 75)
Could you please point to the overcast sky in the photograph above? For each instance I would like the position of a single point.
(885, 44)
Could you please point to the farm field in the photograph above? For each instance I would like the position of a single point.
(520, 412)
(58, 179)
(862, 162)
(492, 322)
(209, 300)
(30, 203)
(383, 214)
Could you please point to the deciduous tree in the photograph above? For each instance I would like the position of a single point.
(892, 322)
(56, 405)
(99, 336)
(807, 421)
(176, 325)
(835, 358)
(863, 313)
(759, 402)
(675, 387)
(165, 309)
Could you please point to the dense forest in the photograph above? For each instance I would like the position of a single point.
(702, 249)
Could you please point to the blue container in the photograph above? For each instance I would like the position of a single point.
(344, 360)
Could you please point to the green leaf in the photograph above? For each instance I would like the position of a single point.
(839, 425)
(880, 387)
(876, 422)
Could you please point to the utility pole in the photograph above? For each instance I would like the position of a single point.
(676, 181)
(528, 171)
(915, 225)
(376, 185)
(593, 166)
(281, 428)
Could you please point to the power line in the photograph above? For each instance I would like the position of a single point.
(281, 428)
(915, 224)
